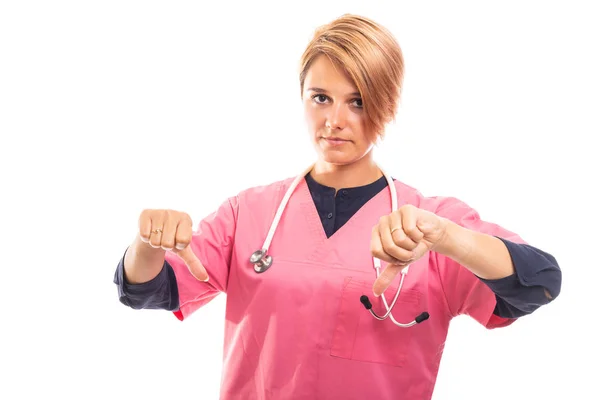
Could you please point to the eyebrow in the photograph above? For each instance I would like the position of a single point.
(319, 90)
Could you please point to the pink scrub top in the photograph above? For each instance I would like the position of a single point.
(299, 330)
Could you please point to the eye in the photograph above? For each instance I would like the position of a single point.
(320, 98)
(357, 103)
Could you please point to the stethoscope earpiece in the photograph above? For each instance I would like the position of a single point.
(367, 303)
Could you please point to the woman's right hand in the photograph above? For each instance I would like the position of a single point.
(171, 230)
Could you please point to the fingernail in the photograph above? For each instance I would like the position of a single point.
(206, 280)
(179, 246)
(166, 248)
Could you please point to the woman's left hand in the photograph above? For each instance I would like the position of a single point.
(403, 237)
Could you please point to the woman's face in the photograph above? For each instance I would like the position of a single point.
(334, 114)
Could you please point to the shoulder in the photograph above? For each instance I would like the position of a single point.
(447, 206)
(259, 196)
(259, 192)
(255, 202)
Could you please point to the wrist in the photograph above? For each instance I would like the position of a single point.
(142, 262)
(456, 242)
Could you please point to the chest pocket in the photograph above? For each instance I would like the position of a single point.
(359, 336)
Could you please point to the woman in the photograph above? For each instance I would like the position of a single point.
(295, 326)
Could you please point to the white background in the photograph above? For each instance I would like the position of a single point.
(110, 107)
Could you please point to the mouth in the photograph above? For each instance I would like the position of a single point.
(335, 141)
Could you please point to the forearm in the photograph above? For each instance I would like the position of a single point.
(484, 255)
(142, 263)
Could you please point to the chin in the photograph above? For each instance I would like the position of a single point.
(339, 158)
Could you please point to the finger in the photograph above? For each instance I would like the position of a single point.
(389, 247)
(167, 241)
(145, 226)
(155, 237)
(420, 250)
(377, 248)
(386, 278)
(409, 224)
(397, 230)
(156, 231)
(183, 236)
(193, 263)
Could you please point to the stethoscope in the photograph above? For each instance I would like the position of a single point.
(262, 261)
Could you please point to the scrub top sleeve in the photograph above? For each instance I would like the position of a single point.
(536, 282)
(158, 293)
(212, 242)
(466, 293)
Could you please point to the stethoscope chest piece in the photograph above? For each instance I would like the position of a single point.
(261, 261)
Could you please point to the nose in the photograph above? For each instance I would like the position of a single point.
(337, 117)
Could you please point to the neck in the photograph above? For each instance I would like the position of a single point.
(359, 173)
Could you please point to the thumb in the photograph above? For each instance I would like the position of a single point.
(386, 278)
(428, 225)
(419, 251)
(193, 263)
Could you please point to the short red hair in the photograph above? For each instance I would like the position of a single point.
(370, 55)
